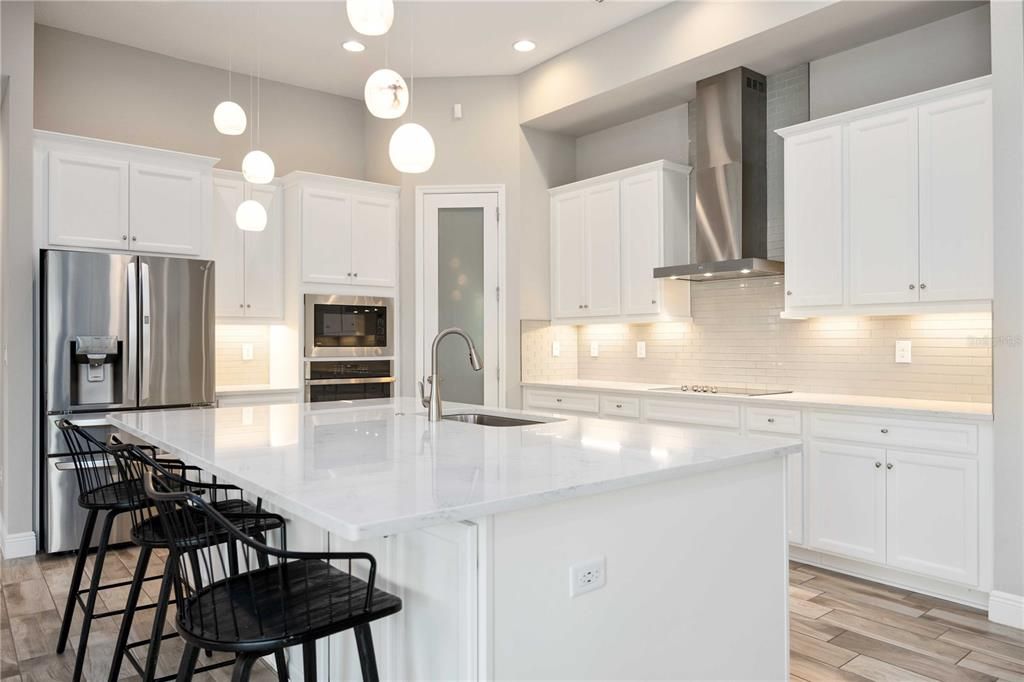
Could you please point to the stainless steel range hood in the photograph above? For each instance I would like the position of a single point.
(731, 178)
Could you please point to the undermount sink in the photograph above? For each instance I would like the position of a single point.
(489, 419)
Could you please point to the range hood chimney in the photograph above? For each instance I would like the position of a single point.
(731, 175)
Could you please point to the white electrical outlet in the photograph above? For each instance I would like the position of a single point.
(586, 576)
(641, 349)
(595, 350)
(556, 349)
(247, 351)
(903, 351)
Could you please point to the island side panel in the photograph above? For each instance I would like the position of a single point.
(696, 572)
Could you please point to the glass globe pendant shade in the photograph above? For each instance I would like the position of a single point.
(386, 94)
(229, 118)
(258, 167)
(251, 216)
(370, 17)
(411, 149)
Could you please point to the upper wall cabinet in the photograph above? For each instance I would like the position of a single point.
(889, 208)
(608, 234)
(96, 194)
(250, 265)
(349, 229)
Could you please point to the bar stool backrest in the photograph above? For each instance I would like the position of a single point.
(95, 466)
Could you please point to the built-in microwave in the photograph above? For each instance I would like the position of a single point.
(349, 326)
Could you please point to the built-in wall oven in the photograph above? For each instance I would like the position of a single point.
(348, 380)
(349, 326)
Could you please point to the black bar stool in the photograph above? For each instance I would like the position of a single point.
(148, 532)
(262, 609)
(101, 490)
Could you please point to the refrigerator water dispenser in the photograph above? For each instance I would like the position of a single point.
(97, 380)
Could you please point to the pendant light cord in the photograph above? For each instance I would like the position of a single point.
(412, 59)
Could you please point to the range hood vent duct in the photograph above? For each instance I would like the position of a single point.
(731, 178)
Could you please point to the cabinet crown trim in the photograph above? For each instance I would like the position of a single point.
(307, 178)
(49, 139)
(979, 84)
(623, 173)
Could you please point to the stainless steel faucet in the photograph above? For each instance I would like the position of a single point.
(433, 401)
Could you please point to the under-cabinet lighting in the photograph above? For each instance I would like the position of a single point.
(745, 271)
(707, 274)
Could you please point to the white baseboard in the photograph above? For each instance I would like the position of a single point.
(17, 545)
(1006, 609)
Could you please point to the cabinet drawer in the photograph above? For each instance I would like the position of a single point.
(772, 420)
(616, 406)
(562, 400)
(937, 436)
(693, 412)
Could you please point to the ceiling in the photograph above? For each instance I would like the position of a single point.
(300, 42)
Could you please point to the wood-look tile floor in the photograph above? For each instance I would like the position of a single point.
(841, 628)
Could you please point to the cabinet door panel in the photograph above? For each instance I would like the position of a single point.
(326, 237)
(374, 238)
(932, 515)
(264, 258)
(641, 243)
(882, 206)
(567, 255)
(846, 491)
(795, 498)
(814, 218)
(956, 198)
(229, 247)
(166, 209)
(88, 201)
(603, 284)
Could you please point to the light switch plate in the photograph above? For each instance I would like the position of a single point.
(247, 353)
(641, 349)
(595, 349)
(903, 351)
(556, 349)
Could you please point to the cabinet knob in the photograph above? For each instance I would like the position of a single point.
(923, 285)
(240, 305)
(247, 305)
(771, 420)
(580, 306)
(878, 465)
(124, 237)
(586, 306)
(789, 293)
(654, 302)
(618, 405)
(558, 400)
(911, 286)
(348, 274)
(885, 430)
(134, 238)
(355, 274)
(890, 465)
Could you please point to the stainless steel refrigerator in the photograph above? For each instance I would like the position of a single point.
(119, 332)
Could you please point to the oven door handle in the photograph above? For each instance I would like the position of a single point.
(339, 382)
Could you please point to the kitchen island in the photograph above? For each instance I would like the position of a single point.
(478, 529)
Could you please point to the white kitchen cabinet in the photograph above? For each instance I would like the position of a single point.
(349, 229)
(609, 233)
(955, 143)
(932, 514)
(795, 497)
(846, 489)
(882, 207)
(250, 265)
(97, 194)
(88, 200)
(814, 218)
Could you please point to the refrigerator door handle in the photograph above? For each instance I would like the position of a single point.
(131, 339)
(146, 352)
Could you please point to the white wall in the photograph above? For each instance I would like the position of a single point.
(92, 87)
(936, 54)
(662, 135)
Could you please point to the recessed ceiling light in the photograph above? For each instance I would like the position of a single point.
(353, 46)
(524, 46)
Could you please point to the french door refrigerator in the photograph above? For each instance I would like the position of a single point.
(118, 332)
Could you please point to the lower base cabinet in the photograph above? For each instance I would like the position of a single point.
(846, 487)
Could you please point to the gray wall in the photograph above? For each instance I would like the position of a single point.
(16, 372)
(930, 56)
(92, 87)
(662, 135)
(1008, 304)
(787, 105)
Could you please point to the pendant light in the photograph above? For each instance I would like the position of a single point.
(411, 148)
(386, 94)
(251, 216)
(370, 17)
(229, 117)
(257, 166)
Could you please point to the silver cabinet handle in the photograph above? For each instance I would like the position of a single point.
(890, 465)
(580, 306)
(771, 420)
(134, 238)
(911, 286)
(348, 274)
(789, 293)
(558, 400)
(247, 305)
(885, 430)
(240, 305)
(878, 465)
(586, 306)
(124, 237)
(923, 285)
(618, 405)
(355, 274)
(654, 302)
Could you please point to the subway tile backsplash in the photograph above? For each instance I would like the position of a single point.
(232, 370)
(737, 339)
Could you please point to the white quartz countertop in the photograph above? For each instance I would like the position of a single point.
(911, 407)
(378, 467)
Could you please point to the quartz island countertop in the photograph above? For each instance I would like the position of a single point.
(379, 467)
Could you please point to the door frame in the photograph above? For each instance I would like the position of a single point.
(422, 191)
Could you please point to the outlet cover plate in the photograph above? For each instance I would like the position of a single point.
(903, 347)
(595, 349)
(641, 349)
(556, 349)
(586, 576)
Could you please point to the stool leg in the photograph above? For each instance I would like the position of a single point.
(367, 659)
(159, 615)
(243, 667)
(282, 666)
(309, 661)
(94, 588)
(76, 580)
(129, 612)
(187, 667)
